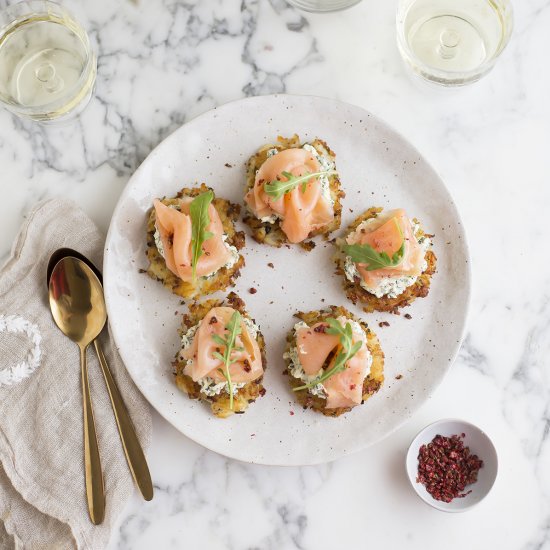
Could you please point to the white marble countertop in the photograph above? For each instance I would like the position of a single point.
(164, 61)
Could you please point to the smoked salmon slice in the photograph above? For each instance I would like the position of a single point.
(386, 234)
(200, 355)
(301, 210)
(175, 229)
(316, 347)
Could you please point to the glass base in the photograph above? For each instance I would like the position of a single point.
(420, 74)
(323, 6)
(68, 113)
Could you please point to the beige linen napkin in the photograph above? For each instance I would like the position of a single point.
(42, 496)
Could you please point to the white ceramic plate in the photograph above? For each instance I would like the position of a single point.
(377, 168)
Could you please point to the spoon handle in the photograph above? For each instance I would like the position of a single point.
(130, 443)
(94, 476)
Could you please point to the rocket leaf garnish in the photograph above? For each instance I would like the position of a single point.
(198, 210)
(233, 329)
(278, 188)
(346, 350)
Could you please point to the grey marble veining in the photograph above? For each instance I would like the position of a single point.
(165, 61)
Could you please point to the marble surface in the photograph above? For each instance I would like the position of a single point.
(163, 62)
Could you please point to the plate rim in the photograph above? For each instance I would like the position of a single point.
(467, 287)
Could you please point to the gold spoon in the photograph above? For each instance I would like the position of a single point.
(72, 295)
(132, 448)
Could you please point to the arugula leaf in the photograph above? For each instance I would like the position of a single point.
(218, 339)
(198, 210)
(346, 351)
(365, 254)
(233, 328)
(277, 188)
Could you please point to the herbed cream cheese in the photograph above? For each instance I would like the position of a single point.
(270, 219)
(391, 287)
(233, 250)
(326, 165)
(209, 386)
(158, 242)
(253, 328)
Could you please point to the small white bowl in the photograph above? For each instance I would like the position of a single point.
(479, 444)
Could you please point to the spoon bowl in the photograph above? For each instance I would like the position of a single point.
(61, 253)
(76, 300)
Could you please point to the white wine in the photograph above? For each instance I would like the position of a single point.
(45, 69)
(453, 41)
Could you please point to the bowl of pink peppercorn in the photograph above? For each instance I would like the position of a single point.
(452, 465)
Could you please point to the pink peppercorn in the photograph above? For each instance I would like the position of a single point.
(446, 467)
